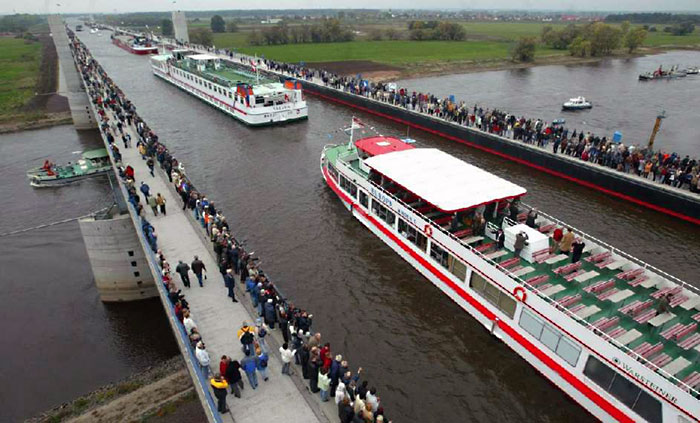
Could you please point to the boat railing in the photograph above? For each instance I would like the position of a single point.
(602, 334)
(616, 251)
(534, 289)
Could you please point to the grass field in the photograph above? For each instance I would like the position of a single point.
(19, 68)
(486, 42)
(390, 52)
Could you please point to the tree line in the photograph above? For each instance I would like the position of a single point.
(654, 18)
(436, 30)
(19, 23)
(593, 39)
(329, 31)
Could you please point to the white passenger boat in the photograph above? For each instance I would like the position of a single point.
(619, 336)
(577, 103)
(232, 88)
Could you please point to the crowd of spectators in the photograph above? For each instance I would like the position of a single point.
(671, 169)
(327, 375)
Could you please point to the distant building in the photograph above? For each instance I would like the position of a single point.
(271, 21)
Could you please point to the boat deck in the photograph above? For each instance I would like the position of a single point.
(618, 297)
(224, 75)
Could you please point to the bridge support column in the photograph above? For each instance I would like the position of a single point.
(180, 27)
(118, 262)
(77, 99)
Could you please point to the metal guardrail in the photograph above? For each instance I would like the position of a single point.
(181, 335)
(539, 293)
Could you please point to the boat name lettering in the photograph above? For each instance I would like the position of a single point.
(381, 197)
(282, 107)
(646, 382)
(403, 213)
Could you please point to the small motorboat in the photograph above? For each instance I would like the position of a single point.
(93, 162)
(692, 71)
(577, 103)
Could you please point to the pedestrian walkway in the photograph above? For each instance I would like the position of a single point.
(217, 318)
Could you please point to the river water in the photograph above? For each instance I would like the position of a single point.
(430, 361)
(620, 101)
(59, 340)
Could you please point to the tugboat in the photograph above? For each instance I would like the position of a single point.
(577, 103)
(674, 72)
(591, 324)
(93, 162)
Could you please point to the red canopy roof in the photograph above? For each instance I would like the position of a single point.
(375, 146)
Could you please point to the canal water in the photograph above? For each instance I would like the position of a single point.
(620, 101)
(59, 340)
(430, 361)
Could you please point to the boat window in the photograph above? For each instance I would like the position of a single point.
(383, 213)
(457, 268)
(438, 254)
(363, 199)
(348, 186)
(634, 397)
(259, 100)
(413, 235)
(491, 293)
(333, 171)
(550, 336)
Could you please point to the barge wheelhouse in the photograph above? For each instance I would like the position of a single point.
(617, 335)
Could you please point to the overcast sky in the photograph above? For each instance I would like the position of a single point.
(122, 6)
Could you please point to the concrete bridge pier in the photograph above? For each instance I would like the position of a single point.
(180, 27)
(77, 98)
(119, 264)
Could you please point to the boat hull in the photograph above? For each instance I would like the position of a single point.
(134, 50)
(569, 377)
(39, 180)
(261, 119)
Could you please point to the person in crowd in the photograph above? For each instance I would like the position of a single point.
(234, 378)
(203, 358)
(188, 321)
(500, 239)
(261, 362)
(577, 249)
(323, 383)
(566, 241)
(286, 354)
(531, 218)
(198, 268)
(246, 335)
(261, 331)
(230, 283)
(520, 243)
(183, 269)
(145, 190)
(249, 365)
(153, 204)
(220, 386)
(160, 201)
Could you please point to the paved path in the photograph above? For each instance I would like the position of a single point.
(217, 318)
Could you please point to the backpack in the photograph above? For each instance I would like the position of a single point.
(262, 332)
(247, 338)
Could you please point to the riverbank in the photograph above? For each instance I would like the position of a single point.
(26, 122)
(28, 93)
(379, 72)
(155, 394)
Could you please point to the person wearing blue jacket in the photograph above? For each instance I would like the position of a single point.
(249, 365)
(261, 363)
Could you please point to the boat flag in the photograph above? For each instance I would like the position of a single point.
(252, 64)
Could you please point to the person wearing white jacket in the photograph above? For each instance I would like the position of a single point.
(188, 322)
(287, 356)
(203, 358)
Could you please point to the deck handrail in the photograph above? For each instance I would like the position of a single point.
(614, 250)
(539, 293)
